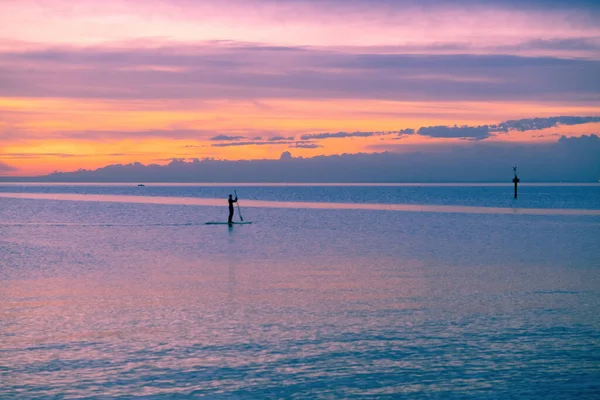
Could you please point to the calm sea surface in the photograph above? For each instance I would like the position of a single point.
(405, 291)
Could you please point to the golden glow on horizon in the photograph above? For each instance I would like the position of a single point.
(66, 135)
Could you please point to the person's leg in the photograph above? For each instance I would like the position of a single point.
(230, 216)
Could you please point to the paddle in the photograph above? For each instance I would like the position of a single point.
(238, 205)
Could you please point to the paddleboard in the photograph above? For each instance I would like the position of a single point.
(227, 223)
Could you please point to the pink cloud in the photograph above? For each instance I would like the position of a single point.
(324, 23)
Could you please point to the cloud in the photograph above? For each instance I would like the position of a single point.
(464, 132)
(484, 131)
(468, 132)
(568, 160)
(305, 145)
(246, 71)
(534, 124)
(250, 143)
(38, 155)
(296, 144)
(327, 22)
(247, 137)
(99, 135)
(572, 44)
(6, 168)
(479, 132)
(402, 4)
(226, 137)
(343, 135)
(34, 156)
(279, 138)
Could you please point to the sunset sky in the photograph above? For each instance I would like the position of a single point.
(88, 83)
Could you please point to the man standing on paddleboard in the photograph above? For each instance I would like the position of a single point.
(231, 201)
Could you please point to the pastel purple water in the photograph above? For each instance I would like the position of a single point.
(139, 298)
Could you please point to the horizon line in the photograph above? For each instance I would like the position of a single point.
(295, 184)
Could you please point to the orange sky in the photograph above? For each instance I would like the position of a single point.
(100, 83)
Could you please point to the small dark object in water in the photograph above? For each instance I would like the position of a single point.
(141, 184)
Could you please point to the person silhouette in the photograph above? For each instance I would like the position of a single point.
(231, 210)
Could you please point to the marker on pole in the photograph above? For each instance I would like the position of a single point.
(516, 180)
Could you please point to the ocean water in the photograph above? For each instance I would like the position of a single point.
(405, 291)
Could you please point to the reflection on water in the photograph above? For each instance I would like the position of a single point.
(137, 299)
(194, 201)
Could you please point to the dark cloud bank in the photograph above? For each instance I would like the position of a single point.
(567, 160)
